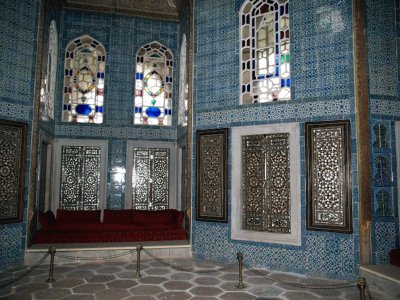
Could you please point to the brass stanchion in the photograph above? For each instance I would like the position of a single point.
(52, 252)
(240, 262)
(361, 283)
(138, 249)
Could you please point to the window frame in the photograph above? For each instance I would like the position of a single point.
(237, 233)
(249, 80)
(57, 156)
(139, 86)
(174, 181)
(71, 71)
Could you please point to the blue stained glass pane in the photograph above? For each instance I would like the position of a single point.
(269, 76)
(138, 109)
(99, 109)
(282, 82)
(281, 10)
(277, 59)
(288, 82)
(153, 112)
(138, 75)
(276, 26)
(277, 71)
(277, 49)
(168, 112)
(276, 16)
(83, 109)
(261, 76)
(276, 37)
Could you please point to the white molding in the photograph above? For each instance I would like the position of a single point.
(397, 143)
(173, 164)
(293, 238)
(45, 138)
(58, 143)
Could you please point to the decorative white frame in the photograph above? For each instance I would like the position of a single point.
(58, 143)
(47, 139)
(49, 79)
(237, 233)
(183, 84)
(174, 182)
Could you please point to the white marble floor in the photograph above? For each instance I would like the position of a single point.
(115, 279)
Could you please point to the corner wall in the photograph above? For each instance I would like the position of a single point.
(19, 23)
(383, 62)
(322, 89)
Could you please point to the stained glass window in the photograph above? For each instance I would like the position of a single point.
(183, 85)
(84, 75)
(265, 51)
(153, 85)
(49, 79)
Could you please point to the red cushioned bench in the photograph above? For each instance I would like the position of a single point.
(394, 256)
(73, 226)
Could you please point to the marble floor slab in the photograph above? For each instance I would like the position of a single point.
(175, 279)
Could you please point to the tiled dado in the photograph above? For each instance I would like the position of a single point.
(385, 107)
(15, 111)
(324, 254)
(384, 234)
(275, 111)
(138, 132)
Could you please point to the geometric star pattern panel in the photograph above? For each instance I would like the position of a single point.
(211, 175)
(266, 183)
(80, 177)
(150, 178)
(328, 167)
(12, 153)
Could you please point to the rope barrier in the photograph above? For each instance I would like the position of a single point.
(26, 272)
(306, 286)
(223, 268)
(95, 258)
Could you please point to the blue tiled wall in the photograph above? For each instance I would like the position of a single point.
(384, 111)
(17, 59)
(322, 89)
(122, 36)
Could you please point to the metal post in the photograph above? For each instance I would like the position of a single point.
(138, 249)
(240, 263)
(361, 283)
(52, 252)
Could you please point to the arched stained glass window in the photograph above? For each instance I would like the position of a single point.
(49, 79)
(153, 85)
(183, 85)
(265, 51)
(84, 81)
